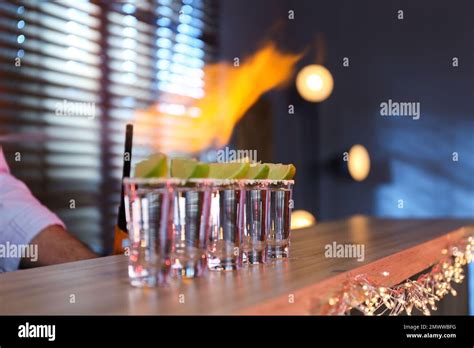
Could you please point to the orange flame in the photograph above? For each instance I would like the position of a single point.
(229, 92)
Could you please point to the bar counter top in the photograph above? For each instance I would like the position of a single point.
(394, 251)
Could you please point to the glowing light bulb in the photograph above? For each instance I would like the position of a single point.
(314, 83)
(302, 219)
(359, 162)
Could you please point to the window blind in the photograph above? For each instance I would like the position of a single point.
(72, 74)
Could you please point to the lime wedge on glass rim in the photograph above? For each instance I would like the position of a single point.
(281, 171)
(257, 171)
(228, 170)
(187, 168)
(155, 166)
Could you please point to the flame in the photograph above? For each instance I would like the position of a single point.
(229, 91)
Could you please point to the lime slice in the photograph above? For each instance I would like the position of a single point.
(155, 166)
(228, 170)
(186, 168)
(257, 171)
(281, 171)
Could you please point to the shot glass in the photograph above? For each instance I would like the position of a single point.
(256, 220)
(191, 209)
(149, 214)
(225, 240)
(278, 237)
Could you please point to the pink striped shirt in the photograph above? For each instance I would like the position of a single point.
(22, 216)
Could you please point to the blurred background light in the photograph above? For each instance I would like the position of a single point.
(302, 219)
(359, 162)
(314, 83)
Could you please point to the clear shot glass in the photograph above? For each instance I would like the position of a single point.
(256, 220)
(278, 237)
(225, 240)
(191, 214)
(149, 214)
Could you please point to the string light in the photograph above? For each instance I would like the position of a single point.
(364, 295)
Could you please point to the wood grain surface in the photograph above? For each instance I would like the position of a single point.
(401, 248)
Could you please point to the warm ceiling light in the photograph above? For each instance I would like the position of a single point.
(302, 219)
(359, 162)
(314, 83)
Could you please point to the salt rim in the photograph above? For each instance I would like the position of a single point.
(266, 181)
(215, 182)
(173, 181)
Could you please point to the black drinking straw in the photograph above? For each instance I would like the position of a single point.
(127, 160)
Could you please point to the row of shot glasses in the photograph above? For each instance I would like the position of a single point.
(182, 228)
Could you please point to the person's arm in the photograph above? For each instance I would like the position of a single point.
(56, 245)
(30, 233)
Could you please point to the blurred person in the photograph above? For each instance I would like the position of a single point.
(30, 234)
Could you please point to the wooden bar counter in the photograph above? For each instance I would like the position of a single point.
(394, 251)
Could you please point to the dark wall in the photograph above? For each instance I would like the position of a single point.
(407, 60)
